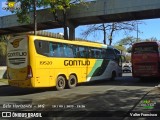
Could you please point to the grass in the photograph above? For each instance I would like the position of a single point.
(4, 81)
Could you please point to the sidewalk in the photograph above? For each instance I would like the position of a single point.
(147, 108)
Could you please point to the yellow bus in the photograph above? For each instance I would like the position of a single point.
(38, 61)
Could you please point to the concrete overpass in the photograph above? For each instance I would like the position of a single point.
(101, 11)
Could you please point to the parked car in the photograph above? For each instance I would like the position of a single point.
(127, 68)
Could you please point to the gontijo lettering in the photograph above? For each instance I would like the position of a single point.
(76, 62)
(12, 54)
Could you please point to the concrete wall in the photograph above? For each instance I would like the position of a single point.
(107, 7)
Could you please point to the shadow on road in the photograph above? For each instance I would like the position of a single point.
(15, 91)
(112, 103)
(102, 101)
(125, 81)
(121, 81)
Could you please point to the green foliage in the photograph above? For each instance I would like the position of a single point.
(4, 38)
(3, 48)
(28, 6)
(151, 39)
(3, 44)
(128, 58)
(120, 47)
(129, 50)
(128, 41)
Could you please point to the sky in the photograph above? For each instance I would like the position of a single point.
(149, 28)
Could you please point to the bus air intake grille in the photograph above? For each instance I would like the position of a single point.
(16, 61)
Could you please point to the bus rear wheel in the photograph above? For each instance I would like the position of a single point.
(72, 82)
(61, 83)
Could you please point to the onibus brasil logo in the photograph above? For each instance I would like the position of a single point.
(148, 104)
(11, 5)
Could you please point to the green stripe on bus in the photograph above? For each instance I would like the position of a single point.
(98, 68)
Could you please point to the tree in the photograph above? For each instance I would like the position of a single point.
(151, 39)
(3, 44)
(120, 47)
(4, 38)
(3, 49)
(128, 42)
(111, 28)
(55, 6)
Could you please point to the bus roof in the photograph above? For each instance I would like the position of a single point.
(147, 42)
(75, 42)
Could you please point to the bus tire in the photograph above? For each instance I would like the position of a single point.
(113, 75)
(60, 83)
(72, 81)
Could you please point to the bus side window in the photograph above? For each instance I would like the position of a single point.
(92, 53)
(81, 52)
(103, 53)
(75, 51)
(117, 52)
(98, 53)
(60, 50)
(69, 51)
(110, 54)
(85, 52)
(42, 47)
(53, 49)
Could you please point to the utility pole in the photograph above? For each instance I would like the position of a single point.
(35, 17)
(137, 32)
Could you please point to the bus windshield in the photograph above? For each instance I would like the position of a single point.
(145, 49)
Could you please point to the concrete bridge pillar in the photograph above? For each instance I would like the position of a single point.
(72, 28)
(71, 33)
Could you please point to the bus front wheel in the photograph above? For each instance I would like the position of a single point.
(72, 82)
(60, 84)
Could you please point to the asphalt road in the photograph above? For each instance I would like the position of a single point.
(120, 95)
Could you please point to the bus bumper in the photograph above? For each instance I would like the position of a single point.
(20, 83)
